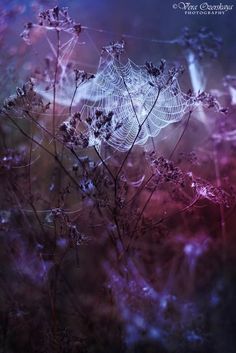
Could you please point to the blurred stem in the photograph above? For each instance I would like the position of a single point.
(73, 97)
(54, 92)
(46, 150)
(104, 164)
(136, 137)
(222, 211)
(181, 136)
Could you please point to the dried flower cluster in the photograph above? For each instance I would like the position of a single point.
(69, 132)
(202, 43)
(165, 171)
(154, 213)
(57, 19)
(115, 49)
(24, 102)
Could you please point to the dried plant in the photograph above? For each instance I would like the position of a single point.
(110, 239)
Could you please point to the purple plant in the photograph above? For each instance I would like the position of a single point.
(112, 249)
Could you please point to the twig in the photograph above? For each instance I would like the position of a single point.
(181, 136)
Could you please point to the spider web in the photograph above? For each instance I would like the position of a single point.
(130, 92)
(127, 90)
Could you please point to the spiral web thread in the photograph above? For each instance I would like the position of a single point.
(130, 92)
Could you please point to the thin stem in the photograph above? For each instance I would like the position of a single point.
(140, 217)
(38, 219)
(46, 150)
(78, 159)
(141, 188)
(222, 212)
(54, 92)
(131, 100)
(104, 164)
(29, 137)
(29, 163)
(73, 97)
(181, 136)
(135, 139)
